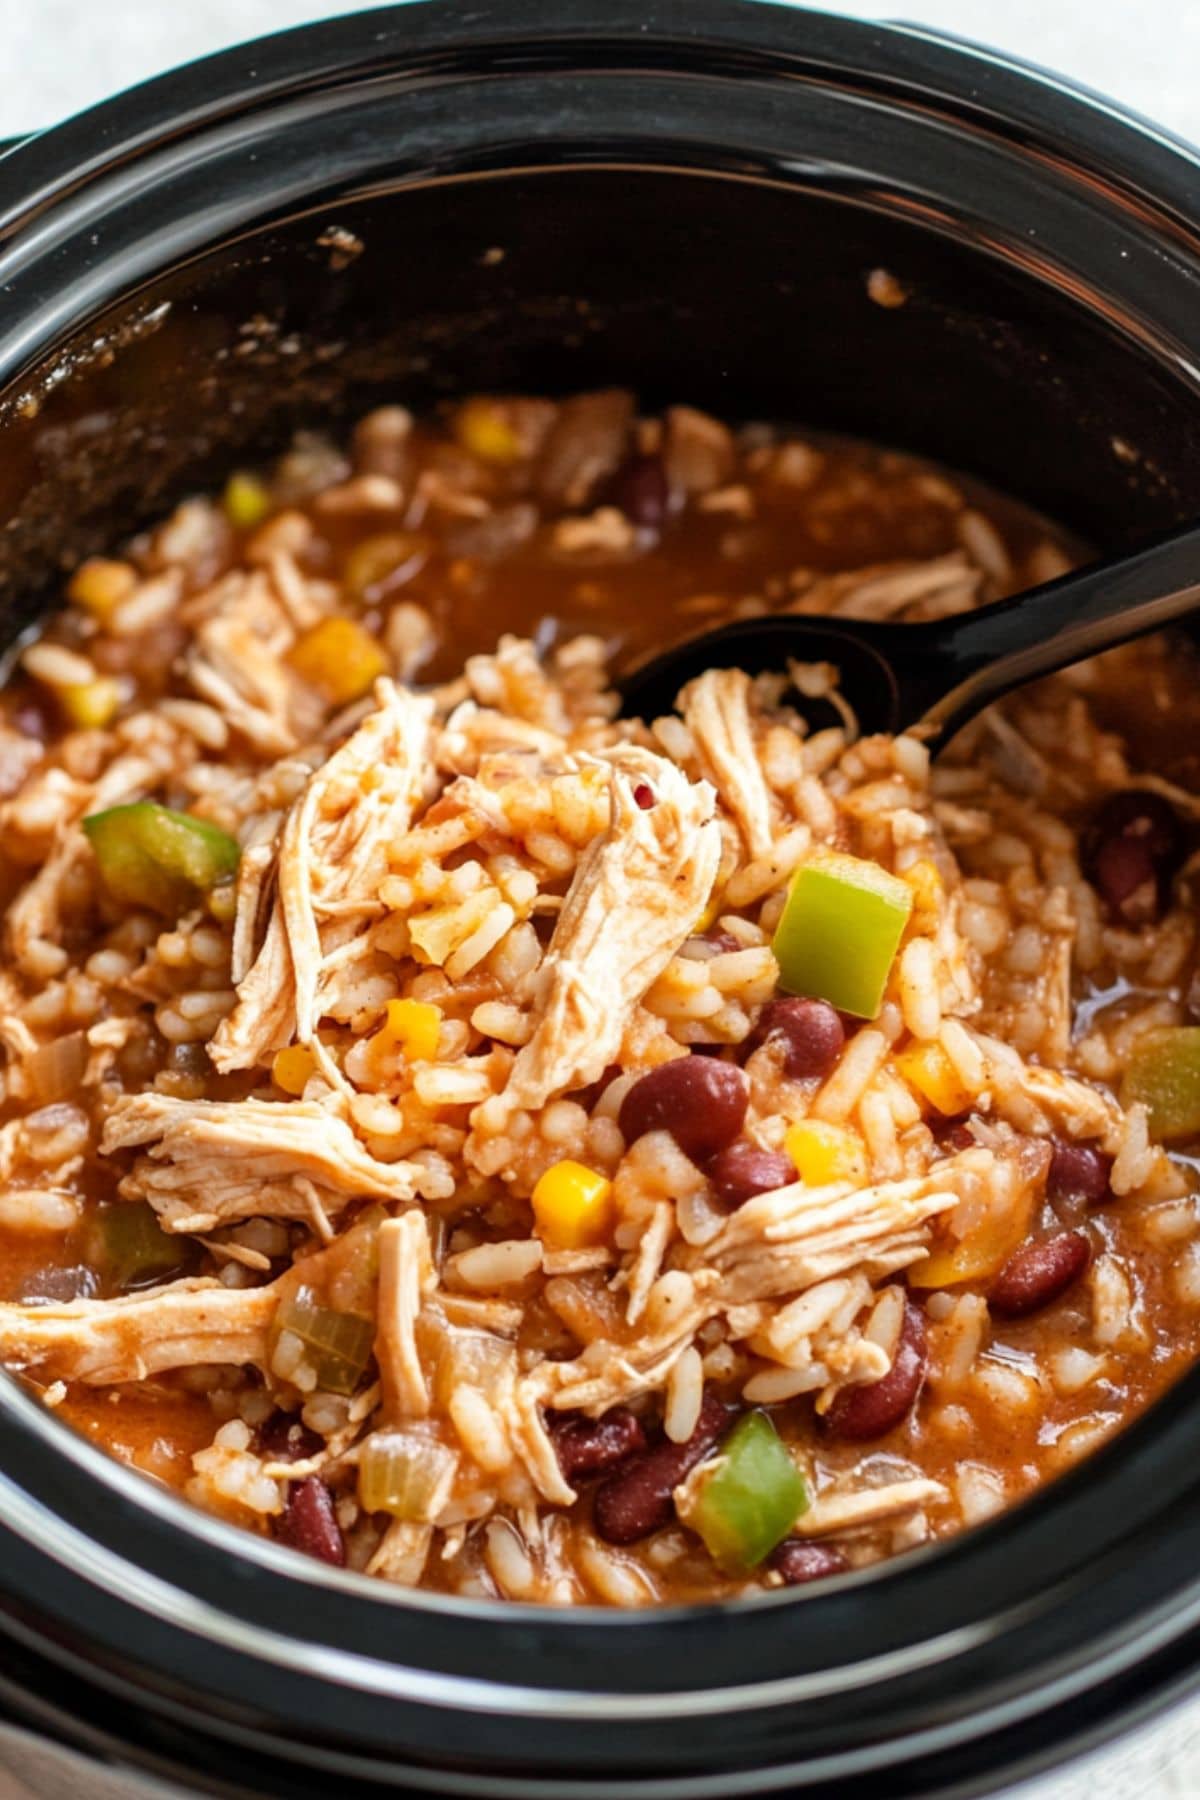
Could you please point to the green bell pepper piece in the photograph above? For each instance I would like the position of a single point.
(1163, 1073)
(840, 930)
(752, 1498)
(126, 1244)
(151, 856)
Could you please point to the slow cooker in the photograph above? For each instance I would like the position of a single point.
(687, 197)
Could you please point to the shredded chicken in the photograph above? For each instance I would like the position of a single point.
(515, 684)
(403, 1552)
(776, 1244)
(786, 1241)
(173, 1327)
(607, 1372)
(916, 590)
(332, 856)
(236, 663)
(717, 711)
(212, 1162)
(531, 1441)
(405, 1275)
(255, 879)
(472, 732)
(637, 893)
(837, 1512)
(1043, 1099)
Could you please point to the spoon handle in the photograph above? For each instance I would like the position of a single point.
(965, 663)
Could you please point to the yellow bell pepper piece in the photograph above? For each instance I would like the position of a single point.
(340, 658)
(825, 1153)
(293, 1067)
(91, 704)
(411, 1026)
(927, 1068)
(711, 913)
(572, 1206)
(485, 430)
(100, 585)
(928, 892)
(924, 878)
(980, 1255)
(246, 500)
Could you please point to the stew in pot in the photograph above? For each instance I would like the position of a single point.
(504, 1148)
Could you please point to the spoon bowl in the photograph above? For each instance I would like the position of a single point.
(941, 672)
(866, 658)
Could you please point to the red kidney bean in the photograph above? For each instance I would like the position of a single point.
(284, 1437)
(309, 1523)
(742, 1170)
(1130, 851)
(871, 1408)
(1141, 813)
(1038, 1273)
(702, 1103)
(809, 1035)
(952, 1135)
(588, 1447)
(643, 795)
(1125, 873)
(800, 1559)
(637, 1499)
(641, 490)
(1079, 1171)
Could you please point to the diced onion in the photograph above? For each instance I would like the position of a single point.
(56, 1069)
(339, 1342)
(472, 1359)
(405, 1475)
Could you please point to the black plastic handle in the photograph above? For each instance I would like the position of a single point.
(945, 671)
(950, 669)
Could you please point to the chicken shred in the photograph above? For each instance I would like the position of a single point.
(779, 1243)
(787, 1241)
(236, 664)
(717, 712)
(637, 893)
(332, 856)
(212, 1162)
(406, 1275)
(403, 1552)
(129, 1339)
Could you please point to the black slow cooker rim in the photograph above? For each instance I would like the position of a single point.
(1124, 1593)
(50, 181)
(424, 36)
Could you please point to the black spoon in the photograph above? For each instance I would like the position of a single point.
(943, 672)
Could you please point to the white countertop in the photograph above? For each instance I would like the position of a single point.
(62, 55)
